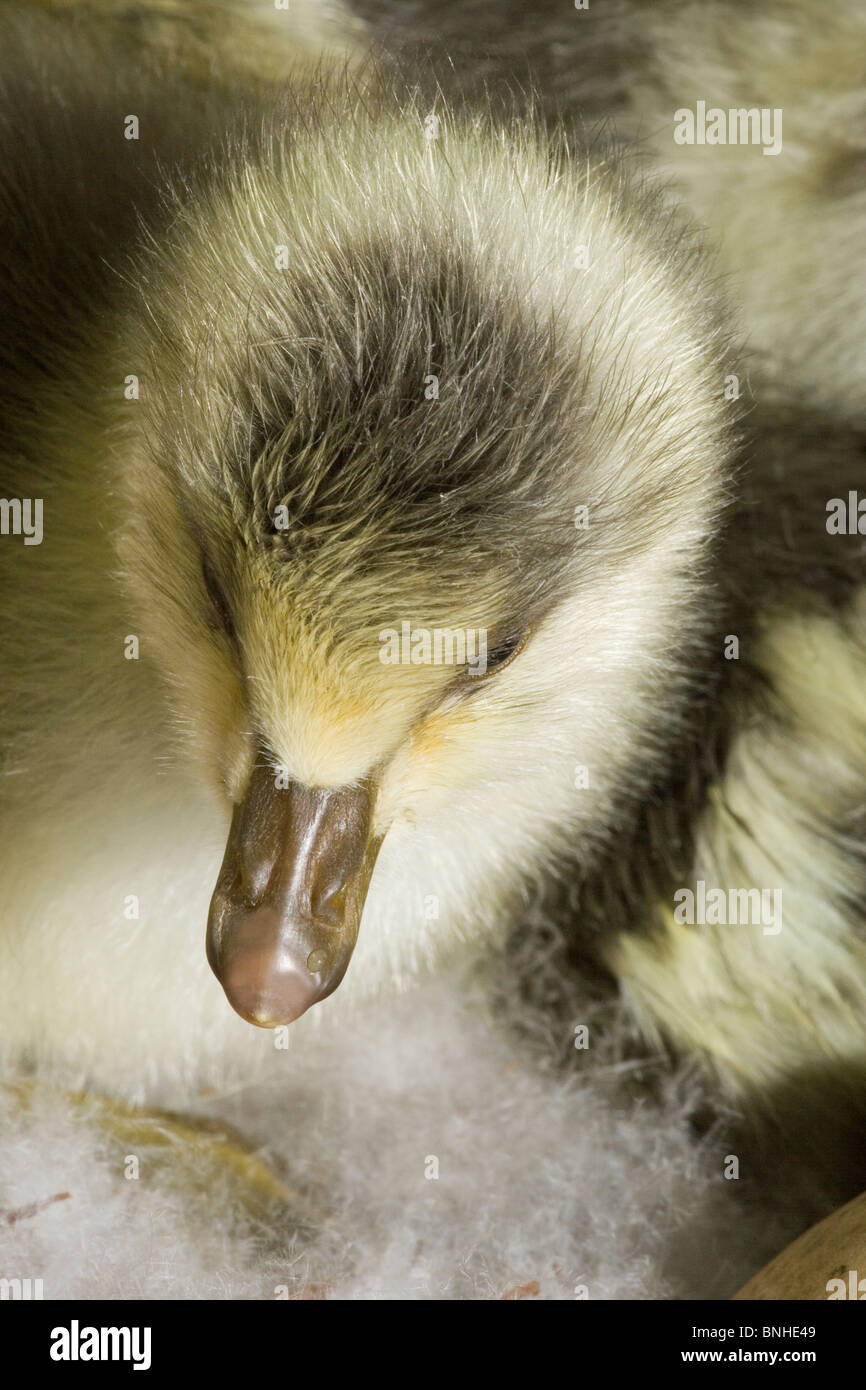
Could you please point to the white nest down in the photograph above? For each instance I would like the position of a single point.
(552, 1182)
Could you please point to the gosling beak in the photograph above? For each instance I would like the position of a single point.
(285, 912)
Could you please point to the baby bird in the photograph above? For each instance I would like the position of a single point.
(398, 529)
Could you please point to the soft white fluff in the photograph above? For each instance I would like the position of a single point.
(545, 1176)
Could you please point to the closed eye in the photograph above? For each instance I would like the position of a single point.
(500, 655)
(504, 652)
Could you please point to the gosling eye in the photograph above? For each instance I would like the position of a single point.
(504, 652)
(219, 605)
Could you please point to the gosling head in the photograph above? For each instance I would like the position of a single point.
(430, 448)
